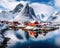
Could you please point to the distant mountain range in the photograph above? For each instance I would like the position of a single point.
(23, 13)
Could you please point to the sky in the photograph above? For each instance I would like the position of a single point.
(37, 0)
(40, 1)
(48, 2)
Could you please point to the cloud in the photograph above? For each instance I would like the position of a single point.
(57, 3)
(8, 0)
(8, 5)
(42, 8)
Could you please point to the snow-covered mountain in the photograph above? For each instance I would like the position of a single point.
(6, 16)
(18, 8)
(57, 18)
(22, 12)
(10, 15)
(26, 14)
